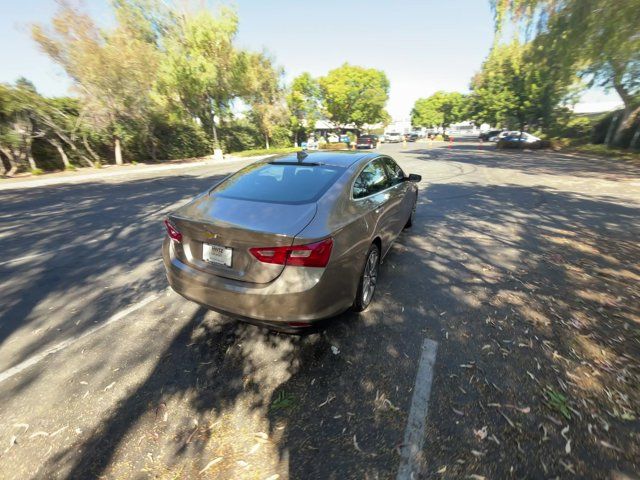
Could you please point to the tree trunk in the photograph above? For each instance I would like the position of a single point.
(635, 140)
(73, 147)
(63, 155)
(91, 152)
(266, 141)
(118, 150)
(154, 151)
(28, 154)
(611, 130)
(3, 170)
(13, 165)
(627, 100)
(214, 130)
(32, 162)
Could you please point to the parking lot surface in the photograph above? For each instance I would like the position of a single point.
(504, 336)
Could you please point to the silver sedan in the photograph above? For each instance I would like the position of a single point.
(290, 240)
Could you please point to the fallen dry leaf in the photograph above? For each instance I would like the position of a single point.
(210, 464)
(481, 434)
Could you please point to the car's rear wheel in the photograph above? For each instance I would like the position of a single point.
(368, 279)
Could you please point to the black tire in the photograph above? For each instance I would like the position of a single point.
(409, 223)
(366, 291)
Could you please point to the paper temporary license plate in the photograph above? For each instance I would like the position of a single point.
(217, 254)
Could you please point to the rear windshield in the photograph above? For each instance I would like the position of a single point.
(278, 183)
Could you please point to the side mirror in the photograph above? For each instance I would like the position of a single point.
(414, 177)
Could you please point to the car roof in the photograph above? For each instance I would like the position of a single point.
(336, 159)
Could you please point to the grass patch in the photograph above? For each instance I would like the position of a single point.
(558, 402)
(581, 145)
(605, 151)
(283, 401)
(265, 151)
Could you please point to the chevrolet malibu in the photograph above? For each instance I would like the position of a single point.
(290, 240)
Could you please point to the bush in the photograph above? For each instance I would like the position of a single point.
(281, 137)
(179, 140)
(46, 156)
(240, 135)
(333, 146)
(577, 127)
(265, 151)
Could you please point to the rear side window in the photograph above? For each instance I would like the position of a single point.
(273, 183)
(372, 179)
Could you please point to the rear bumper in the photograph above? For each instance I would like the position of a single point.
(299, 294)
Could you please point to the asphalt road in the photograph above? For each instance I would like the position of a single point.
(522, 268)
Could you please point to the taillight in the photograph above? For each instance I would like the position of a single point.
(311, 255)
(173, 233)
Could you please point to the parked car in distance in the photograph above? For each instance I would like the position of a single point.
(381, 138)
(497, 137)
(519, 140)
(485, 136)
(290, 240)
(367, 141)
(345, 139)
(411, 137)
(393, 137)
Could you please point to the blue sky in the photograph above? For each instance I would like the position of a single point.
(422, 45)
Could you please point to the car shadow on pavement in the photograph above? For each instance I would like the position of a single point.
(532, 295)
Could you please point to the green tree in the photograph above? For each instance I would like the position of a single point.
(60, 124)
(264, 93)
(511, 89)
(202, 72)
(304, 102)
(114, 71)
(353, 94)
(440, 109)
(599, 39)
(17, 125)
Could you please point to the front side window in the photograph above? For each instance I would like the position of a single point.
(395, 172)
(372, 179)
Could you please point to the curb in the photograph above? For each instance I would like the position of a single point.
(45, 182)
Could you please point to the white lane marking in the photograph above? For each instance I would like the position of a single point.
(70, 341)
(414, 433)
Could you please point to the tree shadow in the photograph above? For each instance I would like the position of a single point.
(510, 280)
(531, 162)
(80, 239)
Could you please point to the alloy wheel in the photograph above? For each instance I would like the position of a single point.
(370, 277)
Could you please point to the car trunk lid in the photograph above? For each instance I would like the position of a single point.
(238, 225)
